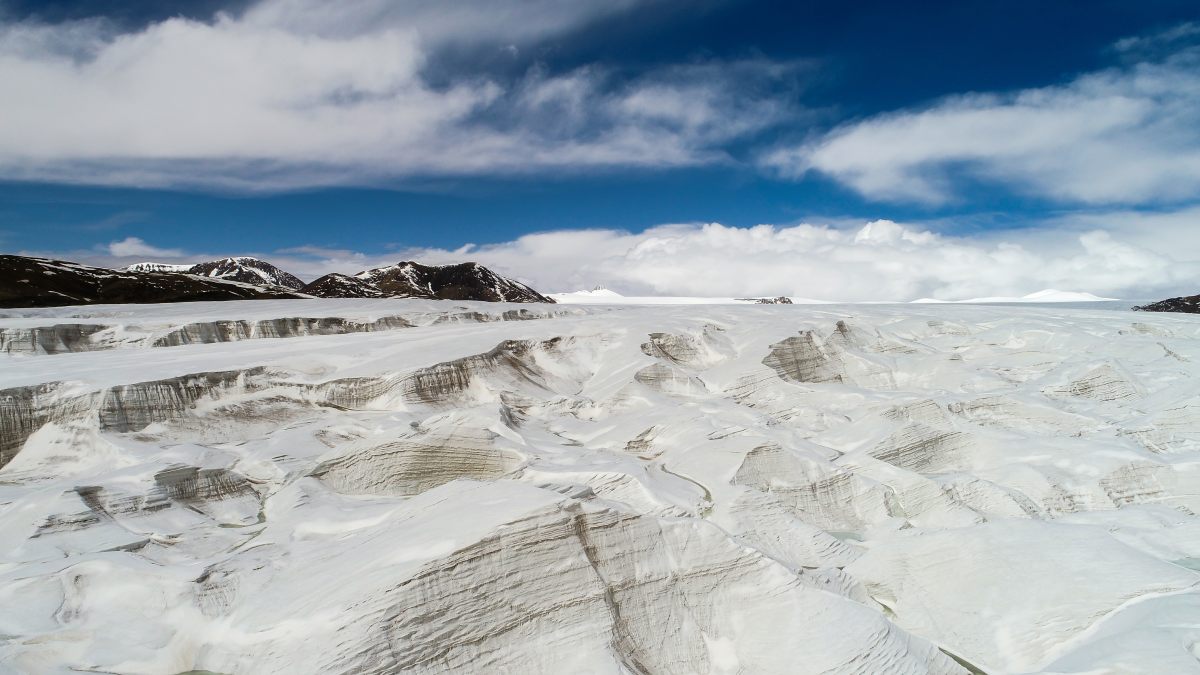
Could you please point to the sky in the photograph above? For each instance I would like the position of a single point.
(840, 151)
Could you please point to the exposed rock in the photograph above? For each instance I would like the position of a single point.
(781, 300)
(1188, 304)
(248, 271)
(464, 281)
(343, 286)
(40, 282)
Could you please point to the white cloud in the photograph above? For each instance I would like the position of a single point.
(135, 247)
(296, 93)
(881, 260)
(1120, 136)
(436, 21)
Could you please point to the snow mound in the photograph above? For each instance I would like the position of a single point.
(1047, 295)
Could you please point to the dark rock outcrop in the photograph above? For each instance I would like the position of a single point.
(1188, 304)
(343, 286)
(41, 282)
(781, 300)
(464, 281)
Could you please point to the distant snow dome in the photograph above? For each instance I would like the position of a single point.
(1047, 295)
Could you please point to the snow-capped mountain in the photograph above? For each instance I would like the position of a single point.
(239, 268)
(407, 279)
(342, 286)
(247, 270)
(41, 282)
(464, 281)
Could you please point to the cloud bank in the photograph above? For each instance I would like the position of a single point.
(298, 93)
(1122, 136)
(878, 261)
(302, 93)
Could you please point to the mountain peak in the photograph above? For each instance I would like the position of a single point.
(411, 279)
(41, 282)
(247, 270)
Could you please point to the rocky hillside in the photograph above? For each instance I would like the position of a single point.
(464, 281)
(343, 286)
(41, 282)
(1188, 304)
(245, 269)
(248, 271)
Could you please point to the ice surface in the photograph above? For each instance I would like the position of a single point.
(378, 486)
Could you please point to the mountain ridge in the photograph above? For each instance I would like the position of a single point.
(43, 282)
(1186, 304)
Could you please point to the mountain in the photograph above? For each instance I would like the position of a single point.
(41, 282)
(342, 286)
(241, 268)
(464, 281)
(1188, 304)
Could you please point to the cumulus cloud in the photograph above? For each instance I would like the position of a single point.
(296, 93)
(135, 247)
(1127, 135)
(877, 261)
(881, 260)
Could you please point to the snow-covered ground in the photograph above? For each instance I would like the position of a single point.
(604, 296)
(316, 486)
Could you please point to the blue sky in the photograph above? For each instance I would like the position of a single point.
(1006, 146)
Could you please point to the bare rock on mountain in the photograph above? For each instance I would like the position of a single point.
(464, 281)
(1187, 304)
(342, 286)
(37, 282)
(41, 282)
(248, 271)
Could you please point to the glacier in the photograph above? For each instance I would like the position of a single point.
(379, 486)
